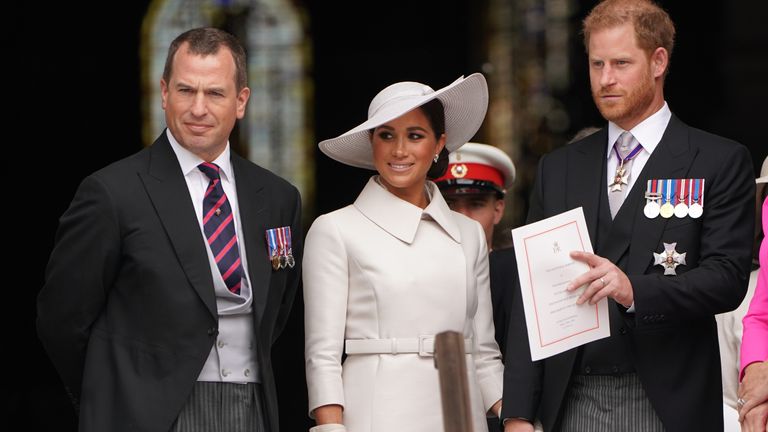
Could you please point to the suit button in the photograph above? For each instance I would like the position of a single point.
(213, 331)
(623, 330)
(587, 370)
(615, 369)
(221, 344)
(224, 372)
(247, 372)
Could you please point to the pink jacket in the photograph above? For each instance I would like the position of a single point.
(754, 343)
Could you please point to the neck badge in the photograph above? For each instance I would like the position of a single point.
(622, 176)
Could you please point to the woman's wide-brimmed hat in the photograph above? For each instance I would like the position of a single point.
(465, 102)
(763, 172)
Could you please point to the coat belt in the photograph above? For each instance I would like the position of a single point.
(423, 345)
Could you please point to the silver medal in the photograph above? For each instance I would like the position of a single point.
(651, 209)
(696, 210)
(681, 210)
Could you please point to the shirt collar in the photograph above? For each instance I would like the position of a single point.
(648, 132)
(401, 218)
(189, 161)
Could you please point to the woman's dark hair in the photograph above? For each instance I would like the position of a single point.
(435, 114)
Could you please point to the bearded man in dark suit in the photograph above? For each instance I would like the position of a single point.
(669, 210)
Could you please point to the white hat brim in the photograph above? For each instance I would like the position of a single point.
(465, 102)
(763, 172)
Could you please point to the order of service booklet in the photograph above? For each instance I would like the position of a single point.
(555, 322)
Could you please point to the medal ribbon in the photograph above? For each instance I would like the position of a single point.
(288, 240)
(698, 188)
(652, 189)
(272, 242)
(629, 157)
(690, 191)
(671, 188)
(680, 191)
(281, 241)
(664, 185)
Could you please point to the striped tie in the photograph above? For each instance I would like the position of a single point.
(219, 226)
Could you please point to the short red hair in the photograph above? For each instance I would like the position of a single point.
(653, 26)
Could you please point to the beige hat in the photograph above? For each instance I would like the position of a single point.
(476, 167)
(763, 172)
(465, 102)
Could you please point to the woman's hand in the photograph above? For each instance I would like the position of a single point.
(753, 393)
(755, 420)
(753, 389)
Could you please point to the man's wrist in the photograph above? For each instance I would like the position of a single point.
(504, 422)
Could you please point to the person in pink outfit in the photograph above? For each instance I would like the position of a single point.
(753, 391)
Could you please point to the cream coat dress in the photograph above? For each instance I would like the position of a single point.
(383, 268)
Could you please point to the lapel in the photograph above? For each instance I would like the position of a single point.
(584, 182)
(631, 229)
(400, 218)
(586, 178)
(251, 197)
(169, 194)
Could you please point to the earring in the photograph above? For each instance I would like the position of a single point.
(437, 156)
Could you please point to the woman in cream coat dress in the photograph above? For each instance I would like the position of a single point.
(386, 274)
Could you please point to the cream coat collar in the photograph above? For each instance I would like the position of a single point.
(401, 218)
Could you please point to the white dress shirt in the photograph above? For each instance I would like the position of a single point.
(232, 358)
(648, 133)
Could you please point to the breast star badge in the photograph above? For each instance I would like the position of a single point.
(669, 259)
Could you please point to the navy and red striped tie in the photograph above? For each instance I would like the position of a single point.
(219, 227)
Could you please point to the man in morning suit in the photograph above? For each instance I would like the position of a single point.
(669, 209)
(174, 269)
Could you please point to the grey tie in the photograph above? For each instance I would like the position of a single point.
(624, 144)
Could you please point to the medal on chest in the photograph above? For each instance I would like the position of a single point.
(652, 197)
(667, 209)
(696, 208)
(280, 248)
(681, 208)
(669, 259)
